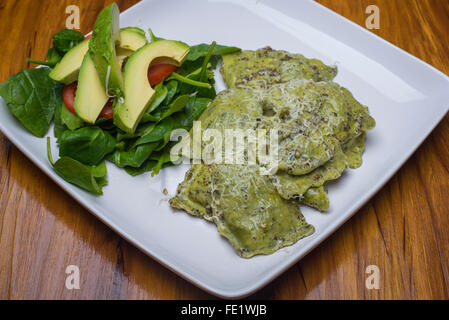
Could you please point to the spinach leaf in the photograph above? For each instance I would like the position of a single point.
(189, 81)
(72, 121)
(88, 145)
(189, 67)
(148, 118)
(196, 58)
(201, 50)
(141, 130)
(207, 91)
(202, 76)
(100, 170)
(163, 161)
(193, 67)
(177, 105)
(66, 39)
(172, 87)
(160, 94)
(65, 120)
(90, 178)
(59, 126)
(134, 157)
(164, 143)
(32, 98)
(53, 56)
(145, 167)
(157, 133)
(42, 63)
(193, 110)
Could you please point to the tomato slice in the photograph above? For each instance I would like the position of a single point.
(107, 112)
(87, 37)
(159, 72)
(68, 95)
(156, 74)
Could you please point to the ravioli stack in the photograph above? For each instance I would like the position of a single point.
(321, 129)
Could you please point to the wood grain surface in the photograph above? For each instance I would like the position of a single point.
(403, 229)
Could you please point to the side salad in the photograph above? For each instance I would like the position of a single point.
(113, 96)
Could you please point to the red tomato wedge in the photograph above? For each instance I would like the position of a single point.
(156, 74)
(107, 112)
(159, 72)
(87, 37)
(69, 93)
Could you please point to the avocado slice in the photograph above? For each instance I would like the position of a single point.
(105, 36)
(66, 71)
(90, 95)
(132, 38)
(138, 92)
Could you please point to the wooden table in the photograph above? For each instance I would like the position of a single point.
(403, 229)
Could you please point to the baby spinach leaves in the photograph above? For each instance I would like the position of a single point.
(177, 105)
(72, 121)
(202, 49)
(193, 110)
(53, 56)
(134, 157)
(90, 178)
(172, 87)
(59, 127)
(88, 145)
(162, 161)
(189, 81)
(65, 120)
(32, 97)
(157, 133)
(66, 39)
(160, 94)
(148, 165)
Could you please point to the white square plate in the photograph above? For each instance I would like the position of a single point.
(406, 97)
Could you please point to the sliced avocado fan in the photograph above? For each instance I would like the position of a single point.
(66, 71)
(91, 94)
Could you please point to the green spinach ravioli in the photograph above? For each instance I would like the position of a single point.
(231, 197)
(266, 66)
(321, 132)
